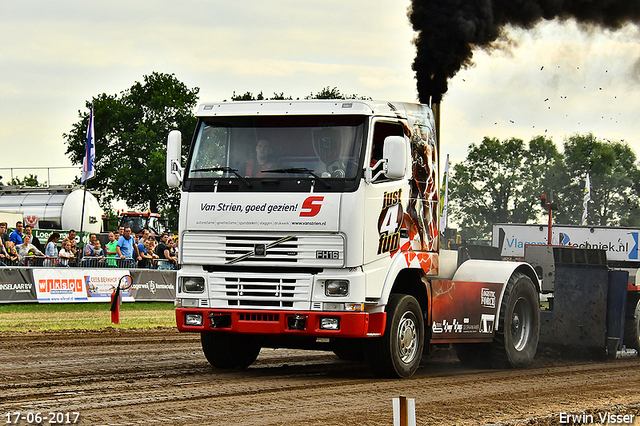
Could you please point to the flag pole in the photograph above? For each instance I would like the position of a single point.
(587, 197)
(88, 170)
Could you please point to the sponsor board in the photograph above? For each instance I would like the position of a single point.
(73, 285)
(264, 212)
(621, 244)
(16, 285)
(78, 285)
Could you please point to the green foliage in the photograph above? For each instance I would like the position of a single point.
(613, 172)
(31, 180)
(131, 132)
(329, 93)
(324, 93)
(500, 182)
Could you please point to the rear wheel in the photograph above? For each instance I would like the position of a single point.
(632, 325)
(399, 351)
(516, 340)
(226, 351)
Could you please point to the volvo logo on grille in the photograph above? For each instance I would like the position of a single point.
(260, 250)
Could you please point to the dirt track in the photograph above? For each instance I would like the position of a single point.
(161, 377)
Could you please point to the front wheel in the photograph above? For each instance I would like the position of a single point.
(399, 351)
(516, 340)
(227, 351)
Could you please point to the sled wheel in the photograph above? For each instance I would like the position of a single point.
(226, 351)
(632, 325)
(399, 351)
(516, 340)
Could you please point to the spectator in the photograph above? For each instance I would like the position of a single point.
(34, 240)
(173, 255)
(4, 256)
(89, 249)
(16, 235)
(3, 234)
(72, 241)
(145, 254)
(111, 248)
(144, 235)
(98, 254)
(160, 250)
(13, 254)
(65, 256)
(126, 247)
(51, 249)
(89, 252)
(27, 249)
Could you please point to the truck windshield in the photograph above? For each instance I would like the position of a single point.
(277, 147)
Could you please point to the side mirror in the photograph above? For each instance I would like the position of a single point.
(394, 151)
(174, 170)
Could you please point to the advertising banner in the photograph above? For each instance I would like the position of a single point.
(153, 286)
(78, 285)
(621, 244)
(73, 285)
(263, 212)
(16, 285)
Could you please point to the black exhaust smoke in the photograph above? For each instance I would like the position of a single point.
(449, 30)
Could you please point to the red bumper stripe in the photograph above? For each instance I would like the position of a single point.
(352, 324)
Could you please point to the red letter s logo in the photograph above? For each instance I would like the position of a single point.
(312, 205)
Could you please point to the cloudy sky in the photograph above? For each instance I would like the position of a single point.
(554, 80)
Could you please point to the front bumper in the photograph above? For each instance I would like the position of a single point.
(302, 323)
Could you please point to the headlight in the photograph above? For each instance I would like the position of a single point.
(336, 288)
(193, 319)
(193, 284)
(330, 323)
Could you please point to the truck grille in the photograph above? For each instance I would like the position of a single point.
(242, 249)
(259, 291)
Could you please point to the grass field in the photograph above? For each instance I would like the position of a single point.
(84, 316)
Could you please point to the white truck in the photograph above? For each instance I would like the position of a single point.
(314, 224)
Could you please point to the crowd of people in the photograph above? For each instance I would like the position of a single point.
(123, 249)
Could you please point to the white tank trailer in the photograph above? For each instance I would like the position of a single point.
(53, 207)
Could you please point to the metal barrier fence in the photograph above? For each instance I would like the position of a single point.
(91, 262)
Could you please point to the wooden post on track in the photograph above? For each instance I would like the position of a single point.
(404, 411)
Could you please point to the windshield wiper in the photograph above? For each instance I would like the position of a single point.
(299, 170)
(225, 169)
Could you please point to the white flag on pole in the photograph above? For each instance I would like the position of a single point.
(587, 197)
(88, 166)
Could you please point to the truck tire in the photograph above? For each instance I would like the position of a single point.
(632, 325)
(399, 351)
(516, 340)
(227, 351)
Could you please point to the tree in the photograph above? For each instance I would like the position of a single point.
(31, 180)
(500, 182)
(324, 93)
(613, 172)
(131, 132)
